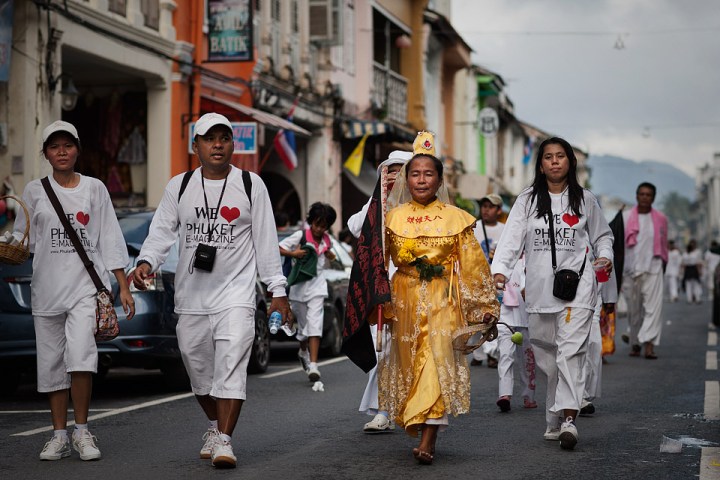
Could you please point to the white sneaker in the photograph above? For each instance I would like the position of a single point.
(222, 455)
(313, 373)
(552, 434)
(304, 357)
(568, 434)
(379, 424)
(211, 437)
(84, 443)
(56, 449)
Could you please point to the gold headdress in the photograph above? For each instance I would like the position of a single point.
(424, 143)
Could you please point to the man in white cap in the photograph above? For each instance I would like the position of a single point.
(387, 172)
(487, 232)
(224, 219)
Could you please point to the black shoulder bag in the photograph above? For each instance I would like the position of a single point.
(566, 281)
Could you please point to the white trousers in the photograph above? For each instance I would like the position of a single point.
(592, 371)
(644, 299)
(369, 402)
(511, 353)
(487, 348)
(672, 286)
(693, 290)
(559, 342)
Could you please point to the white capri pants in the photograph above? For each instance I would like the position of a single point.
(559, 342)
(309, 315)
(509, 355)
(216, 349)
(65, 343)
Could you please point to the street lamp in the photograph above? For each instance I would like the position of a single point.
(68, 94)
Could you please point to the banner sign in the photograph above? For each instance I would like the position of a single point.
(6, 18)
(230, 38)
(244, 137)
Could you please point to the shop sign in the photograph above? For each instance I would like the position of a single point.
(488, 122)
(230, 38)
(244, 137)
(6, 13)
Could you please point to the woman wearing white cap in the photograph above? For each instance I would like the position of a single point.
(63, 294)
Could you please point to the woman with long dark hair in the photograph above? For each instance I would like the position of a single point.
(557, 213)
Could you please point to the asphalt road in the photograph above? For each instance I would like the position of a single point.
(288, 431)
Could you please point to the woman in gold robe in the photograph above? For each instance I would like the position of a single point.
(442, 285)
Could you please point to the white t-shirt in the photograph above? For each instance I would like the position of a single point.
(711, 262)
(315, 287)
(673, 265)
(524, 232)
(692, 258)
(244, 235)
(493, 232)
(640, 258)
(59, 276)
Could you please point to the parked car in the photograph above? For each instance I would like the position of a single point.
(337, 274)
(147, 341)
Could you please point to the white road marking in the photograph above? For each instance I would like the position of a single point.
(711, 361)
(712, 339)
(299, 369)
(111, 413)
(712, 400)
(710, 463)
(48, 411)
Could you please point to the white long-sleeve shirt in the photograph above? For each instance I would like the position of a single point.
(244, 235)
(59, 276)
(574, 235)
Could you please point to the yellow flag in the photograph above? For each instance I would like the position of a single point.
(354, 161)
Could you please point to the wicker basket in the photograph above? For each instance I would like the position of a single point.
(17, 254)
(462, 336)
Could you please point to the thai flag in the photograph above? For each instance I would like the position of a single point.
(285, 143)
(285, 146)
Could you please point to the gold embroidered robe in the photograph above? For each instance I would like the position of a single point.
(423, 377)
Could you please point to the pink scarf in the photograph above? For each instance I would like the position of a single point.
(632, 228)
(319, 248)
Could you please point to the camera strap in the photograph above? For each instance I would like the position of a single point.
(211, 226)
(551, 220)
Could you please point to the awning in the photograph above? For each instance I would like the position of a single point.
(359, 128)
(266, 118)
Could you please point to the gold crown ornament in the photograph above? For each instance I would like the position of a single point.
(424, 143)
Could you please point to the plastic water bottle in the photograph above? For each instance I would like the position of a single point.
(274, 322)
(500, 294)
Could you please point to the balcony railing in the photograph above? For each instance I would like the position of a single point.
(389, 91)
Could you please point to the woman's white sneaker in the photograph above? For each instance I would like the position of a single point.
(56, 449)
(568, 434)
(84, 443)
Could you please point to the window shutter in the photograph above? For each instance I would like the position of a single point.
(325, 21)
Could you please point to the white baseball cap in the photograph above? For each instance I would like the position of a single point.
(396, 157)
(59, 126)
(209, 120)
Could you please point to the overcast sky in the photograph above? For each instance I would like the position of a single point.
(658, 98)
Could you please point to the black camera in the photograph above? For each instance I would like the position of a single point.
(204, 257)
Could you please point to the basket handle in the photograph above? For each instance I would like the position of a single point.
(26, 235)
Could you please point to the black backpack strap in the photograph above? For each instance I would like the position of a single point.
(184, 184)
(247, 181)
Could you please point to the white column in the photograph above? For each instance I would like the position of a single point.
(158, 131)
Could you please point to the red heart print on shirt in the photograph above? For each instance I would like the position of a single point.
(83, 218)
(571, 220)
(230, 214)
